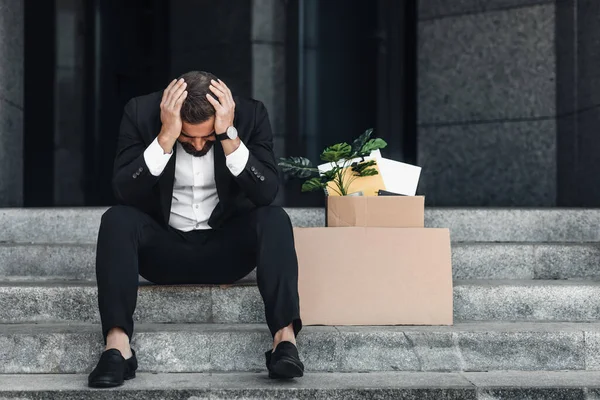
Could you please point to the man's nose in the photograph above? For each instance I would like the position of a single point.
(199, 144)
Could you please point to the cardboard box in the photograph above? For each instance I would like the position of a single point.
(380, 211)
(374, 276)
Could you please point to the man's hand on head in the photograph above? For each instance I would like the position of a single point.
(224, 112)
(224, 107)
(170, 114)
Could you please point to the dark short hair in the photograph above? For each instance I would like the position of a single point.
(196, 108)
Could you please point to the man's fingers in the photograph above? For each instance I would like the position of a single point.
(172, 93)
(181, 99)
(221, 86)
(225, 87)
(220, 94)
(177, 93)
(213, 101)
(226, 98)
(167, 91)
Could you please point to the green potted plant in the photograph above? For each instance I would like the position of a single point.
(340, 156)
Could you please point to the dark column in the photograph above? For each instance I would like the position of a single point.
(11, 103)
(38, 145)
(128, 57)
(578, 103)
(397, 78)
(213, 36)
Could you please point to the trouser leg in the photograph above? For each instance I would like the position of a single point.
(122, 231)
(266, 235)
(131, 243)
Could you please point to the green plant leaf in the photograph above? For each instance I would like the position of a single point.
(312, 185)
(364, 168)
(360, 141)
(297, 167)
(336, 152)
(369, 172)
(331, 174)
(373, 144)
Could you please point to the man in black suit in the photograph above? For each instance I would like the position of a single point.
(195, 176)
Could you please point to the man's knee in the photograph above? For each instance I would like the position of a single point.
(119, 216)
(272, 214)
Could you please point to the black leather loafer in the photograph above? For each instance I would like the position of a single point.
(284, 362)
(112, 369)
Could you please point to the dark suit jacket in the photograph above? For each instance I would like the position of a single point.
(134, 185)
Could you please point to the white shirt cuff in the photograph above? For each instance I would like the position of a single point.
(236, 161)
(155, 158)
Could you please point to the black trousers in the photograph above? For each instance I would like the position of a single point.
(131, 243)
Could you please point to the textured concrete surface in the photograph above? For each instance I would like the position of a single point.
(487, 102)
(80, 225)
(592, 354)
(251, 386)
(21, 262)
(75, 347)
(516, 224)
(379, 385)
(491, 66)
(237, 304)
(430, 9)
(493, 261)
(527, 300)
(71, 262)
(497, 164)
(480, 300)
(575, 261)
(522, 351)
(68, 302)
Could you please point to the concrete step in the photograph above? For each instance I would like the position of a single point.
(561, 385)
(80, 225)
(26, 262)
(75, 348)
(513, 300)
(576, 301)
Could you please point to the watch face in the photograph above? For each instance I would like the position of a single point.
(232, 132)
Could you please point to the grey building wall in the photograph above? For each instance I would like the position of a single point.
(11, 102)
(69, 104)
(487, 131)
(268, 67)
(268, 64)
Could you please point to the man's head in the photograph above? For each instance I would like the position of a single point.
(197, 114)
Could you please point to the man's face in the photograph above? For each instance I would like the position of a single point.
(198, 139)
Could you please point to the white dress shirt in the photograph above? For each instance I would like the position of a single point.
(194, 189)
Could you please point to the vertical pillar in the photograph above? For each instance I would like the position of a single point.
(11, 103)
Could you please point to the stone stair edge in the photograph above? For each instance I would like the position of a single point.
(193, 348)
(28, 383)
(168, 327)
(531, 225)
(472, 301)
(62, 283)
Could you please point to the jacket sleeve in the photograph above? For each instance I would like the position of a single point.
(132, 180)
(260, 178)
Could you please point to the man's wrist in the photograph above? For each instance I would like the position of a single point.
(166, 140)
(231, 145)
